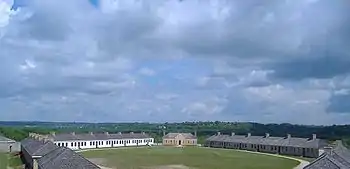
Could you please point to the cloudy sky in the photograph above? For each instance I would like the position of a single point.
(270, 61)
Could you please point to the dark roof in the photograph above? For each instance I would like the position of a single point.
(36, 147)
(338, 158)
(275, 141)
(97, 136)
(65, 158)
(173, 135)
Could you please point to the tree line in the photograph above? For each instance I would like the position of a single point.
(19, 131)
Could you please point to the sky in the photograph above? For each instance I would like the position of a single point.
(276, 61)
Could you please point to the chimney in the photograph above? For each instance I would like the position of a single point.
(328, 150)
(40, 138)
(233, 133)
(289, 136)
(53, 133)
(195, 133)
(219, 133)
(163, 133)
(73, 133)
(143, 133)
(106, 133)
(267, 135)
(35, 164)
(119, 132)
(131, 132)
(249, 134)
(314, 137)
(91, 133)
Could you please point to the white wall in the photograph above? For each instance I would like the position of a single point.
(85, 144)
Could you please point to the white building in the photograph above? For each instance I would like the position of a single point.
(96, 140)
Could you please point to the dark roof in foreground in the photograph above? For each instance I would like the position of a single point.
(274, 141)
(174, 135)
(65, 158)
(97, 136)
(36, 147)
(338, 158)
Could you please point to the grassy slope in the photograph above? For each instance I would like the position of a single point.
(15, 162)
(3, 160)
(199, 158)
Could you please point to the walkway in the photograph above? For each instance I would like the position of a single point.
(301, 165)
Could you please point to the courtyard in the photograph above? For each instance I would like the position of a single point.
(185, 158)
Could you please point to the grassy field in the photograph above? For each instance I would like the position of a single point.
(3, 160)
(9, 160)
(190, 157)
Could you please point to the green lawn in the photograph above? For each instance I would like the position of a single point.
(192, 157)
(3, 160)
(9, 160)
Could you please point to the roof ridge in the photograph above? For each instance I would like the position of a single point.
(50, 159)
(42, 147)
(316, 160)
(85, 158)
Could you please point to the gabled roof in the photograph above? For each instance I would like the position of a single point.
(65, 158)
(97, 136)
(174, 135)
(36, 147)
(338, 158)
(274, 141)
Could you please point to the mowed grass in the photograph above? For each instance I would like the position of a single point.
(3, 160)
(192, 157)
(10, 160)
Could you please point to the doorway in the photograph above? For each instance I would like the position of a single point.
(179, 142)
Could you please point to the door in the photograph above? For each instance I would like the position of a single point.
(180, 142)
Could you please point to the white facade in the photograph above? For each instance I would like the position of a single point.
(90, 144)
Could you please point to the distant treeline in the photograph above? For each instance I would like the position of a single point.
(20, 130)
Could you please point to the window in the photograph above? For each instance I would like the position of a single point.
(71, 144)
(59, 144)
(75, 144)
(66, 144)
(84, 143)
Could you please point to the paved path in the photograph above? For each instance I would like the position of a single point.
(302, 163)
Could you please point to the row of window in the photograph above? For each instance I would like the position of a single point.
(93, 143)
(175, 141)
(264, 147)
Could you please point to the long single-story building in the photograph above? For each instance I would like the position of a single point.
(306, 147)
(6, 144)
(92, 140)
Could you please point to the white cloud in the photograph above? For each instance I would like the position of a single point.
(147, 71)
(208, 60)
